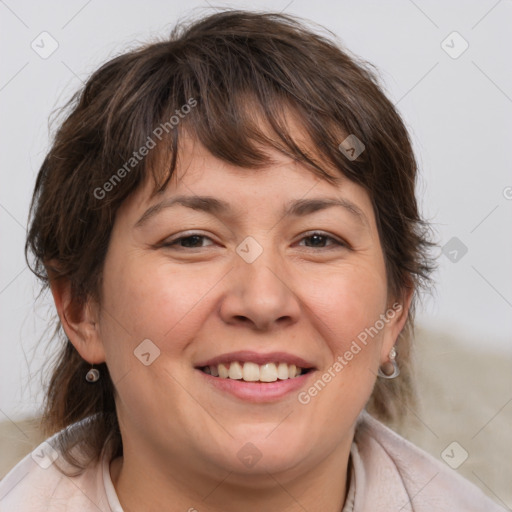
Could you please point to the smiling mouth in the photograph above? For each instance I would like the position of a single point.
(252, 372)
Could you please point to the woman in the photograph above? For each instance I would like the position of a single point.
(228, 225)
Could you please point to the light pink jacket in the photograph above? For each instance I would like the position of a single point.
(390, 474)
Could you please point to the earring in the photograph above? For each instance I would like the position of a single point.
(92, 375)
(389, 370)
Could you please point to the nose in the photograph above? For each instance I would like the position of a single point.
(260, 294)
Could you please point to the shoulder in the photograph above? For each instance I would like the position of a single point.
(39, 482)
(423, 481)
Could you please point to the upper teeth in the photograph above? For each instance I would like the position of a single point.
(252, 372)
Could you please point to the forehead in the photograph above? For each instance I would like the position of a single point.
(283, 189)
(203, 182)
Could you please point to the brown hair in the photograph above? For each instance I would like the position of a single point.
(218, 66)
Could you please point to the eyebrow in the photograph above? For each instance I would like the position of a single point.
(218, 207)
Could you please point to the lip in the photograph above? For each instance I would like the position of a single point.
(247, 356)
(258, 392)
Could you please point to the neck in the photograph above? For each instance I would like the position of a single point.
(144, 484)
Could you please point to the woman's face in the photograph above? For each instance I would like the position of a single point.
(188, 287)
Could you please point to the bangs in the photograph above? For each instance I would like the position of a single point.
(238, 95)
(244, 132)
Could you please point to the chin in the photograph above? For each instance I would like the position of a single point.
(255, 452)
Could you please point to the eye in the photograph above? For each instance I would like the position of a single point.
(192, 241)
(318, 240)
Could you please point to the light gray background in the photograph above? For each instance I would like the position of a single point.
(457, 109)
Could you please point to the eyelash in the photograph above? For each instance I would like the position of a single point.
(338, 243)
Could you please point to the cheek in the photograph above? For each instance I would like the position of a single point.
(346, 306)
(160, 302)
(346, 303)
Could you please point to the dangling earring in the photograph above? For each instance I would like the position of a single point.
(92, 375)
(389, 370)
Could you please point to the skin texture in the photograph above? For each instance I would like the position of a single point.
(181, 436)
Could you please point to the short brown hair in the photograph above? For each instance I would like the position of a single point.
(222, 61)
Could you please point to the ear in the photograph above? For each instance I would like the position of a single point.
(396, 315)
(79, 321)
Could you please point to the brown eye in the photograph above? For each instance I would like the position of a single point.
(187, 242)
(318, 240)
